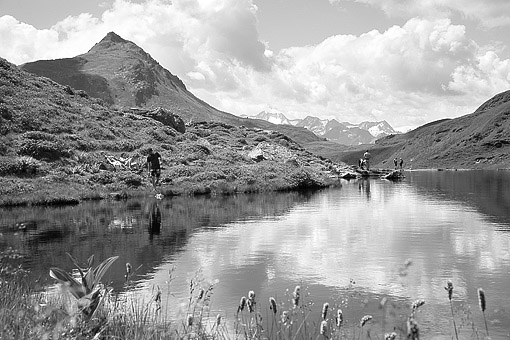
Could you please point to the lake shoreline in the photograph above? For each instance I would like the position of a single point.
(73, 193)
(39, 192)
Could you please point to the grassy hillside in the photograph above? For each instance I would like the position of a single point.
(58, 145)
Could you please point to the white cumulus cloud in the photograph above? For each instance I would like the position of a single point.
(489, 13)
(409, 74)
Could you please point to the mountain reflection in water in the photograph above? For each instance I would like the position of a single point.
(347, 246)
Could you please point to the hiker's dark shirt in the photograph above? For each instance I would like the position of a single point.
(153, 160)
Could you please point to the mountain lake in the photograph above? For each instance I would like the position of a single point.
(369, 247)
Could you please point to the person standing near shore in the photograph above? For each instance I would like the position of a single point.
(395, 162)
(366, 157)
(154, 166)
(401, 163)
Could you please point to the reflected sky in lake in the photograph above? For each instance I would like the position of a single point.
(347, 246)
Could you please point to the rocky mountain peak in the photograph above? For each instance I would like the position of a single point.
(113, 37)
(114, 42)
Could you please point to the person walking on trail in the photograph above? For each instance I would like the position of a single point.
(366, 157)
(154, 166)
(401, 163)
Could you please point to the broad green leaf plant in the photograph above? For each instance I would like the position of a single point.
(87, 292)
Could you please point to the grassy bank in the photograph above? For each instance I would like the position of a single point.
(57, 186)
(209, 158)
(60, 146)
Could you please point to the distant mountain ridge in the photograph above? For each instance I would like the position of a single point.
(342, 133)
(479, 140)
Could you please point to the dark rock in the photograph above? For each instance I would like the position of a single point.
(292, 162)
(348, 175)
(394, 175)
(168, 118)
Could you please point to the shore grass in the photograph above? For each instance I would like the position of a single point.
(31, 312)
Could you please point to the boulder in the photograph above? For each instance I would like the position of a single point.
(168, 118)
(269, 151)
(394, 175)
(256, 154)
(348, 175)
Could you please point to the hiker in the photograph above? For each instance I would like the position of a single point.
(366, 157)
(401, 163)
(395, 162)
(154, 166)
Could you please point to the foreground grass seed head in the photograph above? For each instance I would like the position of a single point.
(272, 305)
(285, 317)
(365, 319)
(242, 304)
(483, 305)
(296, 295)
(339, 318)
(251, 301)
(481, 299)
(324, 327)
(390, 336)
(417, 304)
(325, 308)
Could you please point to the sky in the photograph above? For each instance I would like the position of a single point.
(409, 62)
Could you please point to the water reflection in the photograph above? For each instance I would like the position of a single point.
(154, 219)
(352, 241)
(364, 186)
(142, 232)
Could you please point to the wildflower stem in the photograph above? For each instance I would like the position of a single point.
(453, 318)
(485, 320)
(301, 325)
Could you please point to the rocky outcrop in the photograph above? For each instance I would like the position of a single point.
(269, 151)
(168, 118)
(161, 115)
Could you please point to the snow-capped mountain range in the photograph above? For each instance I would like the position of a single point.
(343, 133)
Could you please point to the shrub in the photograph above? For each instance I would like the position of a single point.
(99, 132)
(3, 148)
(39, 135)
(131, 179)
(103, 177)
(43, 149)
(208, 176)
(19, 166)
(5, 113)
(300, 178)
(183, 171)
(162, 133)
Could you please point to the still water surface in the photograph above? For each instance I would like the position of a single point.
(347, 246)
